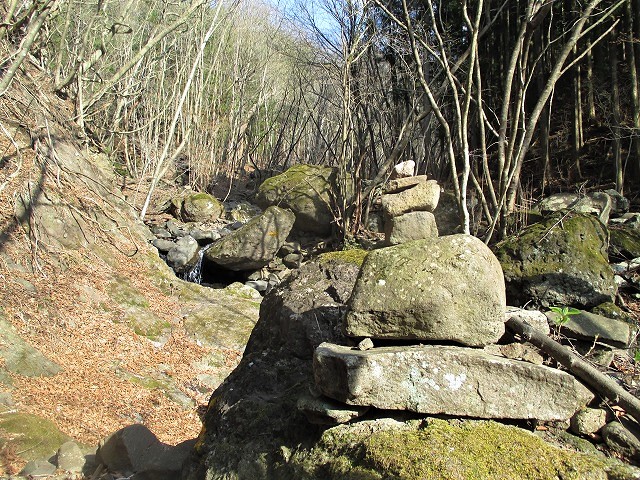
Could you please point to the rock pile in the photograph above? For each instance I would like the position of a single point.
(449, 294)
(408, 205)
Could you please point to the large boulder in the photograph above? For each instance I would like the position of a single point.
(201, 207)
(442, 289)
(441, 380)
(559, 261)
(253, 245)
(306, 190)
(253, 419)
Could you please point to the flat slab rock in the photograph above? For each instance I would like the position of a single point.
(446, 380)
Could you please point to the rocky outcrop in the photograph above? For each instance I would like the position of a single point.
(255, 244)
(561, 260)
(444, 289)
(447, 380)
(306, 190)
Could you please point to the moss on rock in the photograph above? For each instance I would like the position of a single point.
(354, 256)
(559, 261)
(469, 450)
(34, 437)
(624, 243)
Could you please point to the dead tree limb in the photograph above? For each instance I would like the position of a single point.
(591, 376)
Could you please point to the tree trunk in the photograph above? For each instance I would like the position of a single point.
(615, 106)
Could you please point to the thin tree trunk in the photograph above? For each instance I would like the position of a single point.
(615, 105)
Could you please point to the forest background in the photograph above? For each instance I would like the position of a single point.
(501, 101)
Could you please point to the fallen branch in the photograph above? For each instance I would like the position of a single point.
(591, 376)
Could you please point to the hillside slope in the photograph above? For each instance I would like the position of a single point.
(80, 285)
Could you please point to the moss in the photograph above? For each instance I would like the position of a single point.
(354, 256)
(625, 243)
(478, 450)
(611, 310)
(33, 436)
(123, 293)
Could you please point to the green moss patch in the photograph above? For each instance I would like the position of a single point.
(474, 450)
(353, 256)
(122, 292)
(34, 437)
(624, 243)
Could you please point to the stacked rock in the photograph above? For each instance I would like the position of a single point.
(436, 304)
(408, 205)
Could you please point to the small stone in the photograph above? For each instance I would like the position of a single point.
(591, 327)
(70, 458)
(588, 421)
(259, 285)
(404, 169)
(293, 260)
(161, 232)
(38, 468)
(400, 184)
(366, 344)
(519, 351)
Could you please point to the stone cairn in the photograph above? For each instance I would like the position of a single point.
(428, 314)
(408, 204)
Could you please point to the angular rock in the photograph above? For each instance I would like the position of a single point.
(325, 411)
(70, 458)
(559, 261)
(446, 380)
(255, 244)
(404, 169)
(306, 190)
(410, 226)
(400, 184)
(183, 253)
(620, 203)
(422, 197)
(588, 421)
(38, 468)
(596, 328)
(598, 203)
(201, 207)
(442, 289)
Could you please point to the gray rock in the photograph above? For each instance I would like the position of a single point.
(201, 207)
(161, 232)
(70, 458)
(135, 449)
(255, 244)
(410, 226)
(588, 421)
(204, 236)
(20, 357)
(591, 327)
(306, 190)
(561, 260)
(535, 318)
(598, 203)
(442, 289)
(447, 215)
(293, 260)
(259, 285)
(400, 184)
(620, 203)
(163, 245)
(366, 344)
(621, 440)
(446, 380)
(183, 253)
(241, 211)
(177, 229)
(325, 411)
(519, 351)
(38, 468)
(422, 197)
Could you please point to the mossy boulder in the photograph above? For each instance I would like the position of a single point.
(201, 207)
(20, 357)
(34, 437)
(561, 260)
(624, 243)
(306, 190)
(441, 450)
(252, 421)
